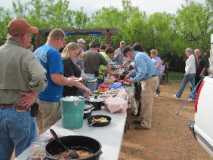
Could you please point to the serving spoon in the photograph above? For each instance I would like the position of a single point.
(72, 153)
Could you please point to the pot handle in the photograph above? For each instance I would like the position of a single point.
(99, 153)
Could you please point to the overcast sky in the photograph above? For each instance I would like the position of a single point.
(148, 6)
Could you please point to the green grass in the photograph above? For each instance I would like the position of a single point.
(175, 76)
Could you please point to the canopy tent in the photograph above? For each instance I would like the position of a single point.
(106, 32)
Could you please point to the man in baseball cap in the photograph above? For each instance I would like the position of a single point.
(21, 78)
(20, 26)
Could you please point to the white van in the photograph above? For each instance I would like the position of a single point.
(203, 124)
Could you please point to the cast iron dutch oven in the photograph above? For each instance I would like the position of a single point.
(74, 142)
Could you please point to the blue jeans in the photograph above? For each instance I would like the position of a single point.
(17, 130)
(187, 78)
(193, 92)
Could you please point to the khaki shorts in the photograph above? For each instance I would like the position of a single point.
(48, 114)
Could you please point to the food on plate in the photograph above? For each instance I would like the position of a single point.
(99, 120)
(103, 87)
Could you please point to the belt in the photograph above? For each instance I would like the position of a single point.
(7, 105)
(18, 108)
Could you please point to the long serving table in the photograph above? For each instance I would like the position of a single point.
(109, 136)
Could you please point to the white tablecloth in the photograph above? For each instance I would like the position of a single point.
(109, 136)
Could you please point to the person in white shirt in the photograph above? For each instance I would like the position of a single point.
(190, 71)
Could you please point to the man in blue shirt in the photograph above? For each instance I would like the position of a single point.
(50, 58)
(145, 73)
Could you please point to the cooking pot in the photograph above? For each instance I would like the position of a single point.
(91, 145)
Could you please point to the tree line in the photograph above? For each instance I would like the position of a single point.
(191, 26)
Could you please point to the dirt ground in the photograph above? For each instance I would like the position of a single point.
(170, 137)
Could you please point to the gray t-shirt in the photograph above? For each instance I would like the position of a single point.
(20, 71)
(92, 62)
(118, 56)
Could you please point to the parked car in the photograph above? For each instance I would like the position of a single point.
(203, 119)
(202, 126)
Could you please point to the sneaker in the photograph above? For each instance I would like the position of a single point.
(135, 111)
(157, 95)
(136, 122)
(190, 100)
(175, 96)
(139, 127)
(134, 114)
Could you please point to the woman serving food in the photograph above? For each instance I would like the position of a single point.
(71, 55)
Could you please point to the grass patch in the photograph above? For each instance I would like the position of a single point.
(175, 76)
